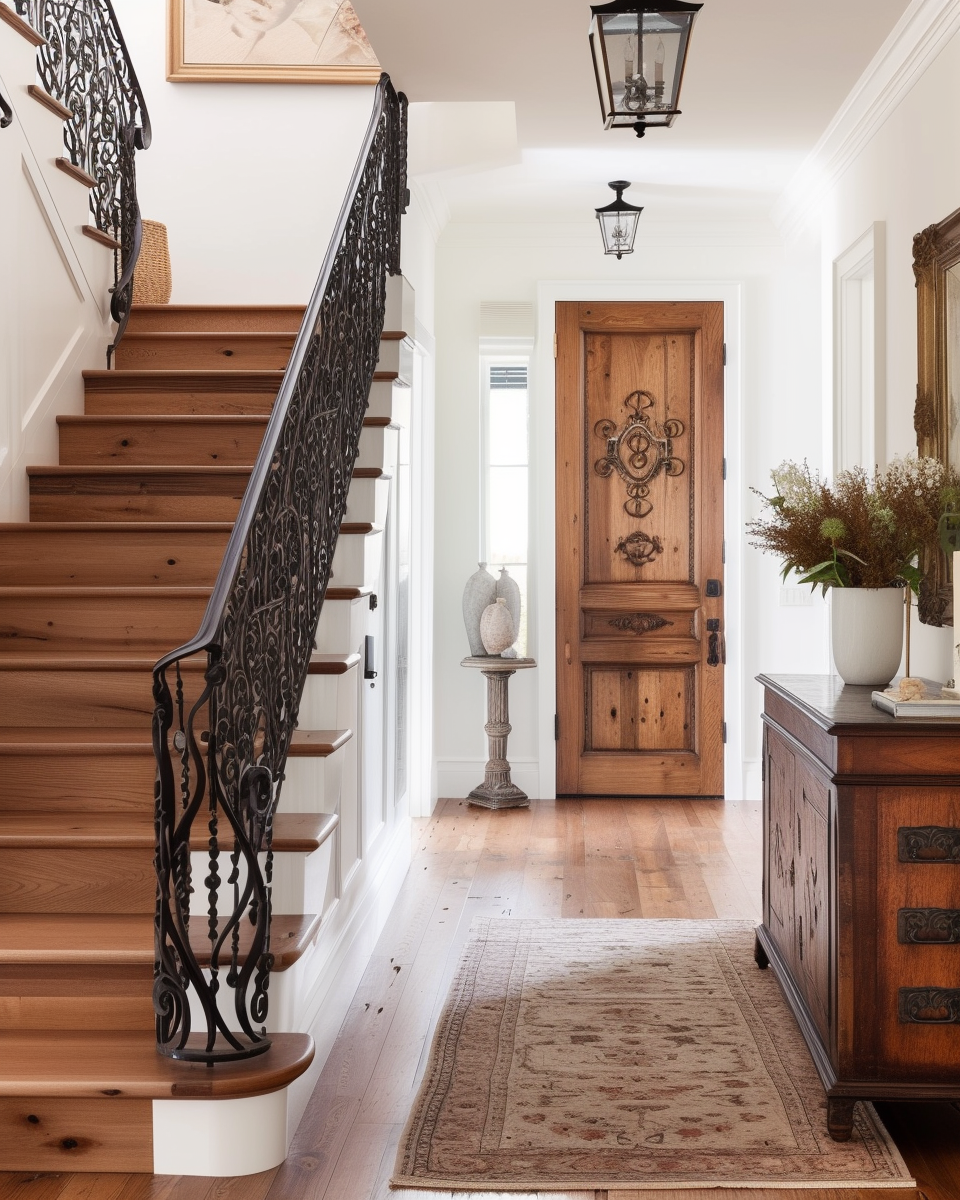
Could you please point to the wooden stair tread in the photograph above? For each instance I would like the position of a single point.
(158, 380)
(82, 740)
(86, 592)
(82, 939)
(21, 26)
(90, 419)
(318, 743)
(125, 527)
(293, 833)
(72, 171)
(130, 472)
(333, 664)
(320, 664)
(235, 420)
(116, 1063)
(37, 93)
(93, 740)
(348, 593)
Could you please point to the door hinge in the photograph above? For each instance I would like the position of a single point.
(556, 727)
(724, 733)
(555, 347)
(723, 552)
(724, 468)
(724, 353)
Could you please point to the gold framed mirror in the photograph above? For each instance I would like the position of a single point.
(936, 265)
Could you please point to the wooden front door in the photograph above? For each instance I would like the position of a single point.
(640, 549)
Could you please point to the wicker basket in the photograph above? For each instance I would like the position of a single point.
(152, 281)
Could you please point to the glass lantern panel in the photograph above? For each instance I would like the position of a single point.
(619, 231)
(644, 61)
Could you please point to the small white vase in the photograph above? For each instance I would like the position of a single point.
(866, 625)
(479, 593)
(496, 628)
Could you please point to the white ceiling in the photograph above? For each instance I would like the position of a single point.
(763, 80)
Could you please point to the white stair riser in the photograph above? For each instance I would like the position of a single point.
(357, 560)
(343, 624)
(378, 448)
(368, 500)
(401, 306)
(220, 1137)
(381, 401)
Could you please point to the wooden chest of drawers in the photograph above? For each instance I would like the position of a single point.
(861, 904)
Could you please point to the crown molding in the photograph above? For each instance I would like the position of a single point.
(915, 41)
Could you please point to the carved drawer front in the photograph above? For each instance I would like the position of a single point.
(929, 1006)
(918, 926)
(934, 844)
(928, 926)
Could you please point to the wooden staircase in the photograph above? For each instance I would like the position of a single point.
(113, 570)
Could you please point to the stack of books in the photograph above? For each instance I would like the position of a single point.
(939, 703)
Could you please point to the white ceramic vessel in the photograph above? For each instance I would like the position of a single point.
(496, 628)
(866, 627)
(480, 593)
(509, 589)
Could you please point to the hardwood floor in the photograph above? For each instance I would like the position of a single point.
(600, 858)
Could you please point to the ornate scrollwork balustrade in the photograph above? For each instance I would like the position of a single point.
(227, 702)
(85, 65)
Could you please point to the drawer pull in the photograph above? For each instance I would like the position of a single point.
(928, 926)
(930, 1006)
(929, 844)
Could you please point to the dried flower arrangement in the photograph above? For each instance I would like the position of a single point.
(861, 531)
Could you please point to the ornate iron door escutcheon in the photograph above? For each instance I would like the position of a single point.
(639, 452)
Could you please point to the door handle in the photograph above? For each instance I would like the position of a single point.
(717, 647)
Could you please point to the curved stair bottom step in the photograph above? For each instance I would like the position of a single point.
(109, 1102)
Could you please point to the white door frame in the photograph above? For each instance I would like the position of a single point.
(543, 632)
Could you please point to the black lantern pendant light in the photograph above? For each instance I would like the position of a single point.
(639, 52)
(618, 222)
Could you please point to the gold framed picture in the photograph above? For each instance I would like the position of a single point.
(268, 41)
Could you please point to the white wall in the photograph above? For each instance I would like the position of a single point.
(249, 178)
(54, 298)
(908, 176)
(780, 416)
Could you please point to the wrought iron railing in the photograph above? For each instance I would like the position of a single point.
(227, 702)
(85, 65)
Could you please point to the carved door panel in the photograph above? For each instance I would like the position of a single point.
(779, 836)
(640, 549)
(812, 798)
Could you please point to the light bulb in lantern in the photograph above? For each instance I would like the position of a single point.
(629, 58)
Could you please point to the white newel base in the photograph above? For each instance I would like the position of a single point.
(220, 1137)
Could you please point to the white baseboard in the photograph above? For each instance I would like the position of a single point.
(457, 777)
(752, 779)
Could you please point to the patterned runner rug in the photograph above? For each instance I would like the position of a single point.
(605, 1054)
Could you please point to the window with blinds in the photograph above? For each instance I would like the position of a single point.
(505, 477)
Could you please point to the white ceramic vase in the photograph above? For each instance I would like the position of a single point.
(867, 632)
(496, 628)
(480, 593)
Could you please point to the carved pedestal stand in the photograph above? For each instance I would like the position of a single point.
(497, 789)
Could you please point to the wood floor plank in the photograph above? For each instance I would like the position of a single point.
(570, 858)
